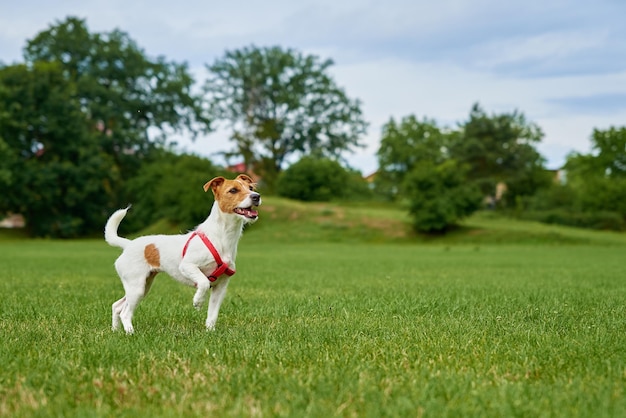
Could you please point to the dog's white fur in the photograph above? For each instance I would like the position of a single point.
(144, 257)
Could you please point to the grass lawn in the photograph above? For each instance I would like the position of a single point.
(316, 325)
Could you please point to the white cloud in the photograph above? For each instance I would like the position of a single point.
(399, 57)
(550, 47)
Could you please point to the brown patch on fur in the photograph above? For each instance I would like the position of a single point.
(229, 193)
(151, 253)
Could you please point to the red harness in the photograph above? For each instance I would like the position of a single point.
(222, 268)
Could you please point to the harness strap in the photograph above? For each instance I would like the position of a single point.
(222, 268)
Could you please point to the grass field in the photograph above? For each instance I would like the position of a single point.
(334, 311)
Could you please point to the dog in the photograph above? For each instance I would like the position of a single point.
(203, 258)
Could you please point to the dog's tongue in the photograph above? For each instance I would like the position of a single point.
(248, 213)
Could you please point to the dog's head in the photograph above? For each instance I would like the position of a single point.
(237, 197)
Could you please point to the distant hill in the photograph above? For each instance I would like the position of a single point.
(293, 221)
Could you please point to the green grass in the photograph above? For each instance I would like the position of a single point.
(322, 320)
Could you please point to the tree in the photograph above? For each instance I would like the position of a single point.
(599, 178)
(321, 180)
(610, 146)
(75, 121)
(59, 177)
(123, 93)
(278, 103)
(414, 164)
(594, 193)
(169, 186)
(501, 148)
(6, 157)
(440, 196)
(405, 145)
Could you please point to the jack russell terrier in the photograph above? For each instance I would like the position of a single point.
(203, 258)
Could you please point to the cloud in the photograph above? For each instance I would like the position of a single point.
(602, 104)
(562, 63)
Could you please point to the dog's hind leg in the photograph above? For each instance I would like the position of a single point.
(137, 279)
(117, 309)
(134, 294)
(215, 301)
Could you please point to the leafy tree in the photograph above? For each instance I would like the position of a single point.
(501, 148)
(439, 195)
(169, 186)
(414, 163)
(59, 178)
(594, 195)
(6, 157)
(610, 149)
(599, 178)
(74, 120)
(123, 93)
(405, 145)
(321, 180)
(278, 103)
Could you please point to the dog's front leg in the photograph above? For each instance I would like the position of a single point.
(215, 301)
(202, 283)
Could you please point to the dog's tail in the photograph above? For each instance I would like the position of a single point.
(110, 230)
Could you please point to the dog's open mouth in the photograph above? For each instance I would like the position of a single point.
(247, 212)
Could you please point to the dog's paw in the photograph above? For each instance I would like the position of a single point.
(210, 326)
(199, 299)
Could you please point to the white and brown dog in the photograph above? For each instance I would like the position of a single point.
(203, 258)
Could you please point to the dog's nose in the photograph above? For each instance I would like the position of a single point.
(256, 198)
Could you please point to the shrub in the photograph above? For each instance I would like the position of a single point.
(170, 187)
(321, 180)
(439, 196)
(606, 220)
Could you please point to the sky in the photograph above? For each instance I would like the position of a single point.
(562, 63)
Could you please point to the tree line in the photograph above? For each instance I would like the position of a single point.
(85, 112)
(445, 174)
(85, 122)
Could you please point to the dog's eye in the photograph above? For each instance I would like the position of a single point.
(251, 188)
(233, 190)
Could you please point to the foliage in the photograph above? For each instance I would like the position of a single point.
(6, 158)
(439, 195)
(415, 165)
(170, 187)
(602, 219)
(278, 103)
(405, 145)
(123, 92)
(501, 148)
(321, 179)
(610, 146)
(75, 121)
(444, 173)
(594, 195)
(59, 177)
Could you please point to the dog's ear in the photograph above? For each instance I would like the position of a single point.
(214, 184)
(246, 178)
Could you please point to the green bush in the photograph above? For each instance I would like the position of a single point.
(170, 187)
(439, 196)
(321, 180)
(606, 220)
(595, 203)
